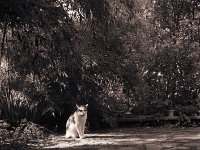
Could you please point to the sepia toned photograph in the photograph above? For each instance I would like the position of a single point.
(99, 74)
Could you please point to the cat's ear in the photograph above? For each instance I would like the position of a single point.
(86, 105)
(77, 106)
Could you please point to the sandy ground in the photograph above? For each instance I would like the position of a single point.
(130, 139)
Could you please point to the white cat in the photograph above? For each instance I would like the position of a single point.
(75, 125)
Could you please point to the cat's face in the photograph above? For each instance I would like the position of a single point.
(81, 110)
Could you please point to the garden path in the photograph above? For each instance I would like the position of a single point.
(131, 139)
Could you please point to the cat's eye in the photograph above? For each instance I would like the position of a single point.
(81, 110)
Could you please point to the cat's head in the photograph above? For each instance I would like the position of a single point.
(81, 110)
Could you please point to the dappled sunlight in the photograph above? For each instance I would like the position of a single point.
(155, 139)
(186, 136)
(129, 138)
(108, 135)
(90, 139)
(143, 139)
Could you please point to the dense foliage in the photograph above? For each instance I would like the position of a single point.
(120, 55)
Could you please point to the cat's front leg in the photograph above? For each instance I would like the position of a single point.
(78, 128)
(82, 131)
(81, 134)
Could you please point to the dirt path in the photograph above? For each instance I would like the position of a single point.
(131, 139)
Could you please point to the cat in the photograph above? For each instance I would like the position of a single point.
(75, 125)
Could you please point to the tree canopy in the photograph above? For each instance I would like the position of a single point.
(116, 55)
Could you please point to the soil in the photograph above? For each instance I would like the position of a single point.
(130, 139)
(144, 138)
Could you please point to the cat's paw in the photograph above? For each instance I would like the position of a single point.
(82, 137)
(67, 136)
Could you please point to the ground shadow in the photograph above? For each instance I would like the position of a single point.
(148, 139)
(124, 145)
